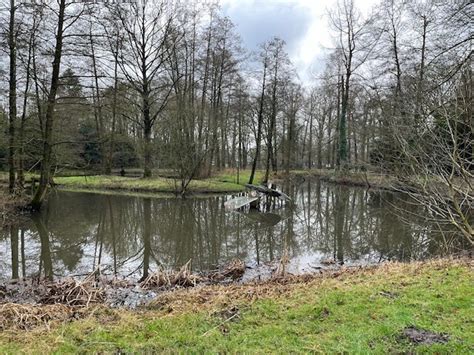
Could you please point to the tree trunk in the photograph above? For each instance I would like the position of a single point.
(45, 253)
(14, 250)
(147, 125)
(12, 99)
(21, 132)
(419, 88)
(310, 142)
(289, 140)
(342, 152)
(98, 106)
(204, 86)
(146, 237)
(272, 124)
(110, 151)
(49, 118)
(259, 125)
(329, 145)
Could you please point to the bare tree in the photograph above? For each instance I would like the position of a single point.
(354, 46)
(12, 96)
(28, 69)
(142, 60)
(279, 63)
(46, 161)
(258, 135)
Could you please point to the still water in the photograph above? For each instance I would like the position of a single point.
(131, 236)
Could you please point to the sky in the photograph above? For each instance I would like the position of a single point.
(303, 24)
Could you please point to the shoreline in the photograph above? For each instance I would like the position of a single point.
(150, 191)
(229, 186)
(376, 303)
(224, 182)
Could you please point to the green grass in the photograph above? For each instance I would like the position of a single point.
(223, 182)
(350, 313)
(243, 176)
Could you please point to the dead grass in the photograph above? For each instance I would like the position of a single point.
(15, 316)
(353, 310)
(61, 301)
(72, 292)
(218, 296)
(163, 278)
(77, 300)
(234, 270)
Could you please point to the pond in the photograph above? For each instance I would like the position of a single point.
(130, 236)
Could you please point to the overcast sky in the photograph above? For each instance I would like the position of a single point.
(303, 24)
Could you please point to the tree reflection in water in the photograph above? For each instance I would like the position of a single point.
(126, 235)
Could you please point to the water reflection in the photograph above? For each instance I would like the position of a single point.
(132, 236)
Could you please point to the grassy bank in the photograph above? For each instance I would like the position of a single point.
(357, 311)
(226, 181)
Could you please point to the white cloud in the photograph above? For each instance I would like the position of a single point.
(303, 24)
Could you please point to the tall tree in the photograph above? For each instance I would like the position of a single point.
(12, 39)
(22, 127)
(258, 133)
(352, 41)
(114, 39)
(279, 63)
(97, 101)
(45, 175)
(147, 25)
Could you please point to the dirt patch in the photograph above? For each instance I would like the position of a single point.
(424, 337)
(324, 313)
(228, 313)
(388, 294)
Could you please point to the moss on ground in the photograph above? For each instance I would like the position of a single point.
(355, 312)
